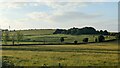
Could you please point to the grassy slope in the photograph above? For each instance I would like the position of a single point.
(47, 34)
(105, 54)
(38, 32)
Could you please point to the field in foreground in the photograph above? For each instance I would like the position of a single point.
(99, 54)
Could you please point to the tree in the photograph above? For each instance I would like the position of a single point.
(5, 36)
(105, 32)
(75, 42)
(13, 38)
(85, 40)
(117, 36)
(62, 39)
(101, 31)
(19, 36)
(95, 39)
(101, 38)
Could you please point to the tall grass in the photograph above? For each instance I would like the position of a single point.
(102, 54)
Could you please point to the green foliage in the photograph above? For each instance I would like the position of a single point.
(117, 36)
(96, 40)
(5, 36)
(7, 63)
(101, 38)
(62, 39)
(13, 38)
(19, 36)
(79, 31)
(75, 42)
(85, 40)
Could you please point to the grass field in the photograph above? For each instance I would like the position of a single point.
(97, 54)
(41, 36)
(36, 32)
(41, 39)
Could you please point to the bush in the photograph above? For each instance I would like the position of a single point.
(96, 40)
(75, 42)
(7, 63)
(85, 40)
(117, 36)
(62, 39)
(101, 38)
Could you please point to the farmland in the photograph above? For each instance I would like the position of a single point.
(100, 54)
(91, 54)
(46, 36)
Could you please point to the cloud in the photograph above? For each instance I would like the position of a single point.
(13, 5)
(38, 16)
(63, 17)
(65, 5)
(61, 11)
(74, 16)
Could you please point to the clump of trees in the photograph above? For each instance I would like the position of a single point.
(79, 31)
(15, 36)
(101, 38)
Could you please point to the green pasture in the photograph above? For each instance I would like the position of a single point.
(42, 36)
(36, 32)
(55, 38)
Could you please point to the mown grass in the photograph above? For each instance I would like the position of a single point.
(99, 54)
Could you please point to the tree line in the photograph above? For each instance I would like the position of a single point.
(79, 31)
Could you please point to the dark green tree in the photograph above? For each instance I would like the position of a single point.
(101, 38)
(62, 39)
(75, 42)
(96, 40)
(85, 40)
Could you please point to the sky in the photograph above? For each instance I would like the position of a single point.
(64, 15)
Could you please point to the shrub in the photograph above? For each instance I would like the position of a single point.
(101, 38)
(7, 63)
(75, 42)
(62, 39)
(85, 40)
(96, 40)
(117, 36)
